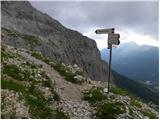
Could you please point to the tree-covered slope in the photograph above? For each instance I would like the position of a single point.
(136, 88)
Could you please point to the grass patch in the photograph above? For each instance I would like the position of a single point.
(31, 40)
(5, 55)
(93, 95)
(13, 71)
(38, 104)
(47, 83)
(130, 111)
(5, 29)
(109, 110)
(11, 85)
(119, 91)
(135, 103)
(37, 55)
(69, 76)
(55, 95)
(39, 108)
(12, 33)
(36, 101)
(149, 114)
(16, 73)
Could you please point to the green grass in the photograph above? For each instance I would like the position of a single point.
(12, 85)
(12, 33)
(135, 103)
(16, 73)
(31, 40)
(47, 83)
(109, 110)
(94, 95)
(13, 71)
(134, 100)
(149, 114)
(5, 55)
(119, 91)
(69, 76)
(5, 29)
(55, 95)
(130, 111)
(38, 105)
(39, 108)
(37, 55)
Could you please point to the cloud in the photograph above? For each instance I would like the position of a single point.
(138, 17)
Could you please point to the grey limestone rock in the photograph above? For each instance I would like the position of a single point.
(56, 41)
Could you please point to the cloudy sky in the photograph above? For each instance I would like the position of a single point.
(135, 21)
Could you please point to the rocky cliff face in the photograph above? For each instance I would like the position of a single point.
(25, 27)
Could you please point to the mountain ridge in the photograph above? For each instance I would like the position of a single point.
(54, 40)
(139, 63)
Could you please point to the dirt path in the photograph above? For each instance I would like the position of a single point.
(66, 90)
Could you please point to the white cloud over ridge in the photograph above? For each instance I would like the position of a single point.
(135, 21)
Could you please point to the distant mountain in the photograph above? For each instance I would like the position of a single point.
(136, 88)
(139, 63)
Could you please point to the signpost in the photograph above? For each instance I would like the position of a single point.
(113, 39)
(104, 31)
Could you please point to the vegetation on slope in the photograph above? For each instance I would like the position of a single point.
(118, 104)
(64, 71)
(109, 110)
(94, 94)
(115, 104)
(28, 80)
(30, 40)
(135, 88)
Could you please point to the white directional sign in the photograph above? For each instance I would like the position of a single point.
(113, 39)
(105, 31)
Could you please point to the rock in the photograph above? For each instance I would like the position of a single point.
(13, 105)
(53, 39)
(63, 65)
(75, 66)
(79, 78)
(105, 90)
(77, 109)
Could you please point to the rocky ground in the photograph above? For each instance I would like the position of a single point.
(32, 83)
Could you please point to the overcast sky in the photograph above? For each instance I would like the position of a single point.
(135, 21)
